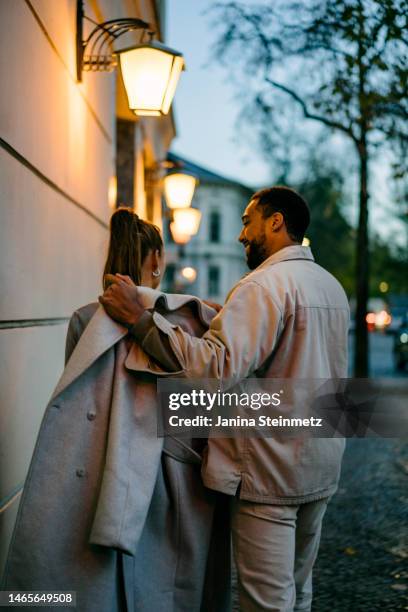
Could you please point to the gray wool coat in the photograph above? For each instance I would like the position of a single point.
(108, 509)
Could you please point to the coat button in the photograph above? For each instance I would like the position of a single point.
(80, 472)
(91, 416)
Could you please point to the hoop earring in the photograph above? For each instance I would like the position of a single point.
(156, 273)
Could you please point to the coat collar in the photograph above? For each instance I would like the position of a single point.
(99, 335)
(102, 333)
(174, 301)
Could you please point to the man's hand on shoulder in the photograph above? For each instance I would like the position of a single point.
(121, 300)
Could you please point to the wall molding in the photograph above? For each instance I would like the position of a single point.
(27, 164)
(20, 323)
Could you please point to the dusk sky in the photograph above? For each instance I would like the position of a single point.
(205, 105)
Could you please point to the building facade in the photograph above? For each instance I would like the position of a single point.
(69, 153)
(214, 252)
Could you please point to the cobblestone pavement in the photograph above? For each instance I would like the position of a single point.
(363, 559)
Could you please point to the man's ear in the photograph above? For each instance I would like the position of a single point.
(277, 221)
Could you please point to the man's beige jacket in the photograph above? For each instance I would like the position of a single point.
(288, 318)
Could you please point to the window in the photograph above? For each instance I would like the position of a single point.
(213, 280)
(215, 226)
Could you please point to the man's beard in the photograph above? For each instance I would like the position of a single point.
(256, 253)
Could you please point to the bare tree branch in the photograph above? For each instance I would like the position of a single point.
(309, 115)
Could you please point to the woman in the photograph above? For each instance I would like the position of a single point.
(108, 509)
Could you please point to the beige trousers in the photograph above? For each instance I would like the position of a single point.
(275, 548)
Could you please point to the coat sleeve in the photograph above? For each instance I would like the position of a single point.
(240, 338)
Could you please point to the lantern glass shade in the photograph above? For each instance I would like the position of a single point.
(187, 220)
(178, 235)
(179, 189)
(150, 74)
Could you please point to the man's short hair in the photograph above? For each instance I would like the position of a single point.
(287, 201)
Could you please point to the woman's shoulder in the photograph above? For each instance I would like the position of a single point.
(77, 323)
(81, 317)
(85, 313)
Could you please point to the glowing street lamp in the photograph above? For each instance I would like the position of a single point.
(187, 220)
(177, 234)
(179, 189)
(150, 70)
(150, 74)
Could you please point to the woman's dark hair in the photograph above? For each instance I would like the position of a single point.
(131, 240)
(287, 201)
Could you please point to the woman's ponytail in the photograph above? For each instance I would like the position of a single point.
(131, 239)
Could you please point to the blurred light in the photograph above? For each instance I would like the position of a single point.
(178, 235)
(179, 189)
(189, 273)
(404, 338)
(150, 73)
(383, 287)
(379, 320)
(112, 191)
(187, 220)
(382, 319)
(306, 241)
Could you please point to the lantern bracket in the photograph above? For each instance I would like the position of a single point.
(96, 52)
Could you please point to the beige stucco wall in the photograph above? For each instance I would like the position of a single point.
(57, 156)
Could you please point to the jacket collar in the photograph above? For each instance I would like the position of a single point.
(286, 254)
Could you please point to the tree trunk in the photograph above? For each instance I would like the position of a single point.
(361, 363)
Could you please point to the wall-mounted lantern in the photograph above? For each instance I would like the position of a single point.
(150, 71)
(179, 189)
(187, 220)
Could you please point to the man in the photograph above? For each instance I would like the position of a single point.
(288, 318)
